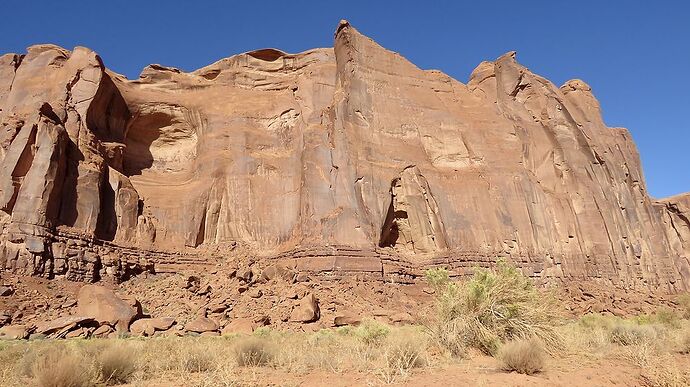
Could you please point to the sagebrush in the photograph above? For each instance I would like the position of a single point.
(492, 307)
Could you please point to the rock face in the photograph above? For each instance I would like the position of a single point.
(348, 159)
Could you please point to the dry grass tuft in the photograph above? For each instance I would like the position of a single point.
(664, 372)
(491, 308)
(684, 303)
(629, 334)
(117, 364)
(198, 359)
(62, 368)
(685, 343)
(253, 352)
(405, 353)
(522, 356)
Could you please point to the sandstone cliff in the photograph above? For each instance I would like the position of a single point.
(338, 160)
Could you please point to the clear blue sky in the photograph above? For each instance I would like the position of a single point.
(634, 54)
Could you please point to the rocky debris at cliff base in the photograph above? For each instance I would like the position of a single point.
(61, 326)
(283, 305)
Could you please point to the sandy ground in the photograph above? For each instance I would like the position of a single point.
(478, 371)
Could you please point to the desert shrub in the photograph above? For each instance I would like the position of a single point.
(492, 307)
(662, 371)
(60, 367)
(667, 316)
(197, 358)
(640, 354)
(371, 332)
(117, 364)
(598, 321)
(522, 356)
(437, 278)
(405, 353)
(663, 316)
(684, 303)
(631, 334)
(685, 343)
(253, 352)
(262, 332)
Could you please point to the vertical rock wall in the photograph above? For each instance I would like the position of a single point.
(348, 158)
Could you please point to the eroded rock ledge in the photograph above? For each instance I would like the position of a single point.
(336, 161)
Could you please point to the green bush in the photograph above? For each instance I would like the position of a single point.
(371, 332)
(664, 316)
(494, 306)
(437, 278)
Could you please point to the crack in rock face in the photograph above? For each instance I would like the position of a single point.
(412, 222)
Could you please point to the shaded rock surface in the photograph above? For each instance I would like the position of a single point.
(337, 160)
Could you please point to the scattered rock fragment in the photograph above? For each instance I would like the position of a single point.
(14, 332)
(255, 293)
(148, 326)
(6, 291)
(201, 324)
(307, 310)
(64, 324)
(401, 318)
(242, 326)
(346, 318)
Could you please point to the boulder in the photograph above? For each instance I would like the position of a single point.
(6, 291)
(105, 307)
(401, 318)
(307, 310)
(255, 293)
(5, 318)
(346, 318)
(103, 331)
(217, 307)
(78, 332)
(65, 323)
(201, 324)
(242, 326)
(148, 326)
(277, 271)
(14, 332)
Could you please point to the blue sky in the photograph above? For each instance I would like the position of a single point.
(634, 54)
